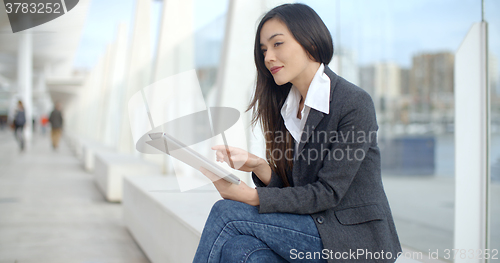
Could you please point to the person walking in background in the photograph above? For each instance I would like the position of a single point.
(43, 122)
(56, 122)
(3, 122)
(18, 124)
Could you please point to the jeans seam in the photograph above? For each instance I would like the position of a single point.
(237, 221)
(258, 249)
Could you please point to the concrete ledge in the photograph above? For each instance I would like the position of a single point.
(75, 144)
(166, 223)
(89, 149)
(110, 168)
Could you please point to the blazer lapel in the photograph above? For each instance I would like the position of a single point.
(316, 116)
(312, 121)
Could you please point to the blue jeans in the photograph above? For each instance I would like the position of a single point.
(236, 232)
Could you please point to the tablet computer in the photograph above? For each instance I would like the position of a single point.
(183, 153)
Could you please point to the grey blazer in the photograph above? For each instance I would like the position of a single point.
(340, 187)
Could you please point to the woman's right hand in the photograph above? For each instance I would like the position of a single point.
(238, 159)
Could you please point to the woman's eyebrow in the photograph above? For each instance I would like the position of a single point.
(277, 34)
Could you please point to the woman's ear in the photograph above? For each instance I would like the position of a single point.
(309, 54)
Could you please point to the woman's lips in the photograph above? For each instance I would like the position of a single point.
(274, 70)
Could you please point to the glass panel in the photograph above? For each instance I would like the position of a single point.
(492, 9)
(208, 45)
(209, 37)
(402, 53)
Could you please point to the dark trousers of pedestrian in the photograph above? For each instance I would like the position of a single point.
(18, 133)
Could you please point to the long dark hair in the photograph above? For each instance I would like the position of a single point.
(312, 34)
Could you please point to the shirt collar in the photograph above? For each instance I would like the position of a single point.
(291, 104)
(318, 95)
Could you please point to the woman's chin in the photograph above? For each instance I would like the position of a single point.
(280, 82)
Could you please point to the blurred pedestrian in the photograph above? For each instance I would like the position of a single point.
(56, 122)
(3, 122)
(18, 124)
(44, 121)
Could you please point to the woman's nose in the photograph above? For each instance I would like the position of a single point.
(269, 57)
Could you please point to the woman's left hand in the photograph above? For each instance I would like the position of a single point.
(237, 192)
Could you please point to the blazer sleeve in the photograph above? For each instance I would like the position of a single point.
(357, 115)
(274, 182)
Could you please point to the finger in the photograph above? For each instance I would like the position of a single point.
(219, 147)
(220, 155)
(224, 156)
(224, 148)
(226, 159)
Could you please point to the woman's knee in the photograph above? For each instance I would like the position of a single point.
(229, 209)
(244, 248)
(264, 255)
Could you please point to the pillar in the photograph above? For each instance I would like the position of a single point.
(25, 82)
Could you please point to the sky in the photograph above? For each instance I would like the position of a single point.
(101, 25)
(384, 30)
(392, 30)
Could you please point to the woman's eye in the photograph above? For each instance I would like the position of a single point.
(263, 51)
(277, 44)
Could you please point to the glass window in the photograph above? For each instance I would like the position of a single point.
(402, 53)
(209, 37)
(491, 11)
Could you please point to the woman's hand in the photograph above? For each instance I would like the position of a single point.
(241, 192)
(239, 158)
(242, 160)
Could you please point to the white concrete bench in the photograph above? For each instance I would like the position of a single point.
(75, 144)
(110, 168)
(166, 223)
(89, 149)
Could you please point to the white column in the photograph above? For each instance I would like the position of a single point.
(91, 101)
(39, 99)
(174, 54)
(138, 71)
(24, 80)
(115, 90)
(471, 142)
(175, 51)
(102, 94)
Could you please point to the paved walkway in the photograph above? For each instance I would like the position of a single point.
(51, 210)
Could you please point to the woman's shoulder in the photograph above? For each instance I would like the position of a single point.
(344, 89)
(349, 96)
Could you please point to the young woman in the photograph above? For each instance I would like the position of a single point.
(319, 194)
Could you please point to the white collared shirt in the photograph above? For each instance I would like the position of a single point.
(318, 98)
